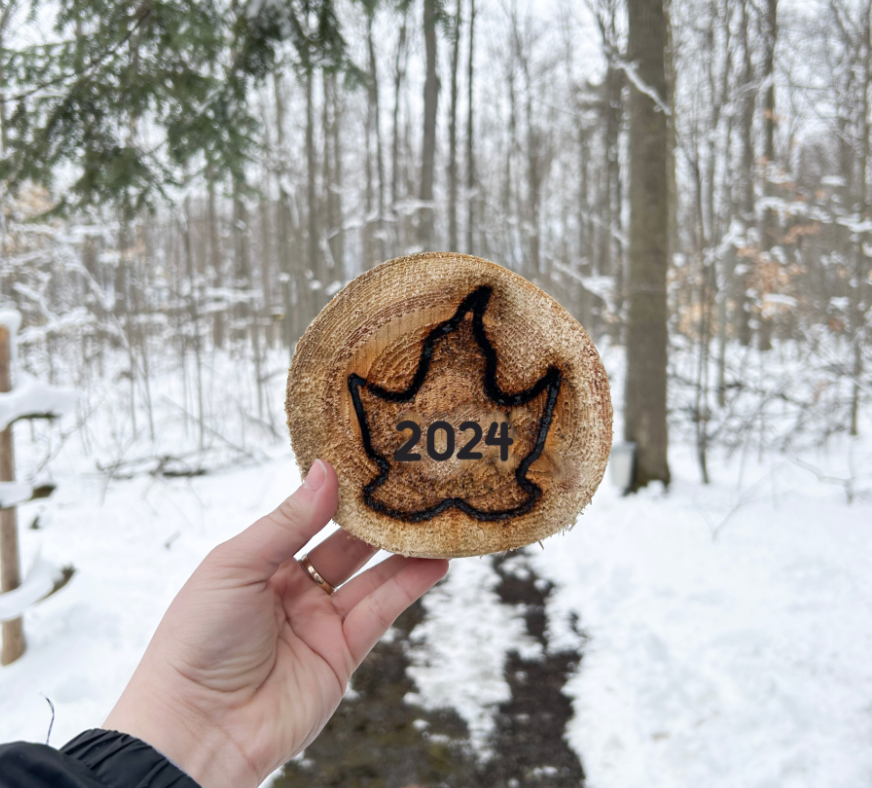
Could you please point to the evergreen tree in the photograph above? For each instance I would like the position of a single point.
(130, 93)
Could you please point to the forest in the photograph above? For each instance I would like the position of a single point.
(185, 184)
(182, 179)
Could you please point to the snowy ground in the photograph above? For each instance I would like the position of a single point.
(729, 632)
(728, 627)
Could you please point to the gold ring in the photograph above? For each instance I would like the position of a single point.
(313, 573)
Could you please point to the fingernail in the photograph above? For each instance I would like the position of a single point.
(315, 477)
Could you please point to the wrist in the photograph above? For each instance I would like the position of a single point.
(200, 749)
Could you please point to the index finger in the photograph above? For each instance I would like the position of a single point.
(370, 618)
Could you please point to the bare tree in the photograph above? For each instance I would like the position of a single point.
(470, 138)
(647, 332)
(426, 215)
(452, 129)
(769, 230)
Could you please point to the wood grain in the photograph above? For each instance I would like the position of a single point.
(375, 330)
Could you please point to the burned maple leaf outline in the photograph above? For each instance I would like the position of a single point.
(475, 302)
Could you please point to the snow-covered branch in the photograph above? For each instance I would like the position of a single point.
(633, 75)
(43, 579)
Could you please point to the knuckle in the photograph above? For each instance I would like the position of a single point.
(287, 514)
(380, 613)
(406, 594)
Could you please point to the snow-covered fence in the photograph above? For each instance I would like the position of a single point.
(21, 397)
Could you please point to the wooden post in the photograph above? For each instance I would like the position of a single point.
(10, 563)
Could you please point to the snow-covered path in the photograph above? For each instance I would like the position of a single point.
(744, 660)
(741, 660)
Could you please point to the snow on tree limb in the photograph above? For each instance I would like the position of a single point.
(42, 579)
(29, 398)
(14, 493)
(601, 286)
(633, 75)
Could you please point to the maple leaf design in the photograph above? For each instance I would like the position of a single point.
(456, 394)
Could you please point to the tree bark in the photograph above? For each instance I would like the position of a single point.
(769, 233)
(4, 21)
(332, 176)
(379, 155)
(428, 149)
(647, 337)
(242, 252)
(314, 256)
(452, 133)
(10, 561)
(399, 76)
(746, 197)
(285, 221)
(337, 241)
(858, 308)
(194, 309)
(215, 256)
(470, 144)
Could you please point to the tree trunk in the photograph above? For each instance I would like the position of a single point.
(770, 218)
(858, 309)
(332, 170)
(285, 220)
(194, 311)
(369, 188)
(314, 257)
(399, 76)
(10, 562)
(614, 263)
(452, 133)
(379, 247)
(428, 149)
(337, 241)
(647, 333)
(242, 254)
(746, 197)
(215, 256)
(4, 21)
(266, 231)
(470, 147)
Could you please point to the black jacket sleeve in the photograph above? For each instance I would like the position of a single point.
(94, 759)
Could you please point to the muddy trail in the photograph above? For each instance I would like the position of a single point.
(377, 739)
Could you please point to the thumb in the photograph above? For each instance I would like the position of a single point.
(264, 546)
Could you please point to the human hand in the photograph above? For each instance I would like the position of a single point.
(252, 657)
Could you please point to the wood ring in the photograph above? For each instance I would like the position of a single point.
(503, 388)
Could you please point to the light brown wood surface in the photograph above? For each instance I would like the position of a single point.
(375, 331)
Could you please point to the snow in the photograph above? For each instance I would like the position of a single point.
(459, 659)
(601, 286)
(779, 298)
(132, 549)
(729, 636)
(12, 493)
(39, 583)
(728, 632)
(631, 70)
(11, 319)
(728, 627)
(30, 397)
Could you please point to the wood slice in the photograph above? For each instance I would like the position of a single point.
(502, 388)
